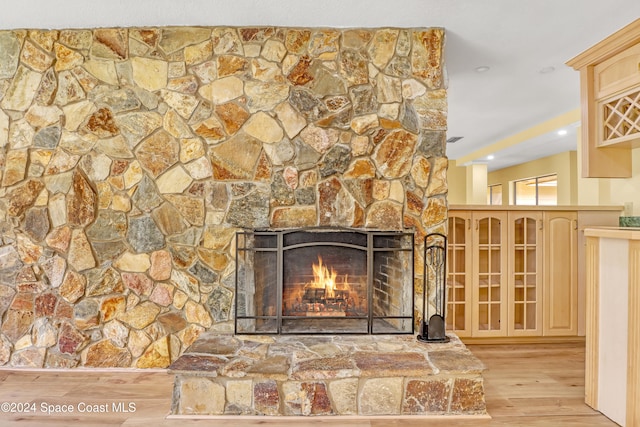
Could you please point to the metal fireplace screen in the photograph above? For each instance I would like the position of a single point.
(324, 282)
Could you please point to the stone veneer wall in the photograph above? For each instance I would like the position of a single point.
(130, 157)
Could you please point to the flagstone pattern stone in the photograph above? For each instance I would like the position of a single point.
(130, 157)
(297, 375)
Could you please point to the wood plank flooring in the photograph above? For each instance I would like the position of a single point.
(525, 385)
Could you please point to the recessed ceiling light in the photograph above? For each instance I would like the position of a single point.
(482, 69)
(491, 157)
(547, 70)
(562, 132)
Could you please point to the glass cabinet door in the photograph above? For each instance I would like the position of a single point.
(490, 268)
(525, 273)
(458, 316)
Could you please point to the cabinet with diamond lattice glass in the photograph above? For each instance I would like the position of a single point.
(617, 88)
(610, 99)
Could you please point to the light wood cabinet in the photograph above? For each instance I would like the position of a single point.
(459, 279)
(514, 272)
(617, 98)
(525, 273)
(496, 290)
(617, 74)
(489, 274)
(610, 103)
(560, 273)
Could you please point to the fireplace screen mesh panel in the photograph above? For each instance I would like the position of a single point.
(324, 282)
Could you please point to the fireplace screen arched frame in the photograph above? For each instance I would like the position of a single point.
(324, 281)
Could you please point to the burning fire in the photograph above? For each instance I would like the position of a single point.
(325, 278)
(327, 293)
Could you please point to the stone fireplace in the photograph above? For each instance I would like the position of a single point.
(324, 282)
(153, 180)
(131, 157)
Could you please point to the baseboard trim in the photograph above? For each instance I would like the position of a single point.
(523, 340)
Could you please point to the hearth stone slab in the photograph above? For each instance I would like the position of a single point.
(295, 375)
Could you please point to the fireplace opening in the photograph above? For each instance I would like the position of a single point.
(324, 282)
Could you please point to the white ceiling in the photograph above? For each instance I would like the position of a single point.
(515, 38)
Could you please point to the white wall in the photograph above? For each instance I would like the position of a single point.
(334, 13)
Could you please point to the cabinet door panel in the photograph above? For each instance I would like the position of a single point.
(560, 271)
(525, 277)
(459, 277)
(489, 274)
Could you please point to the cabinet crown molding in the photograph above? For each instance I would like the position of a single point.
(608, 47)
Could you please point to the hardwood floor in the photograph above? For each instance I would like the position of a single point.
(525, 385)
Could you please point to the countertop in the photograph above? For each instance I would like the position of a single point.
(628, 233)
(533, 208)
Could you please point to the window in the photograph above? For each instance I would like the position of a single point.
(494, 194)
(541, 190)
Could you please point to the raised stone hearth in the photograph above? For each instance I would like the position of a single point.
(326, 375)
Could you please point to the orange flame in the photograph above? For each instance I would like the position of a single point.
(324, 278)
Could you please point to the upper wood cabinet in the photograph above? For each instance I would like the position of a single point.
(617, 74)
(610, 103)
